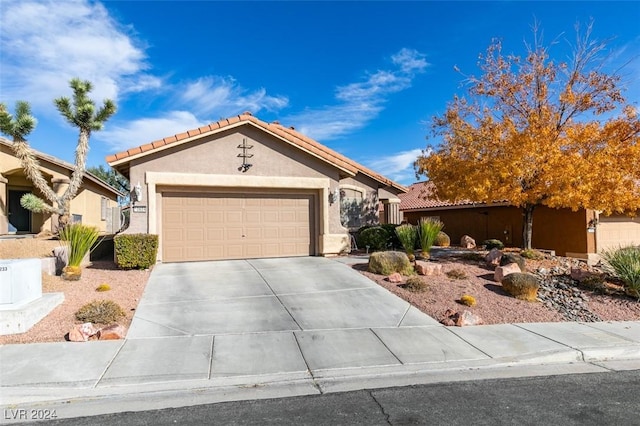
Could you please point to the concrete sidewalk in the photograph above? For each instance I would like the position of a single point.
(163, 365)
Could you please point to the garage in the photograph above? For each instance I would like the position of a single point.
(616, 231)
(215, 226)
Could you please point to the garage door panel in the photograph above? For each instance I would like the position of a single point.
(210, 226)
(617, 231)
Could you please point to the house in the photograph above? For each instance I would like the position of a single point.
(581, 234)
(245, 188)
(95, 204)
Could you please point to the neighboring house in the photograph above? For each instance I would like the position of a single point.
(244, 188)
(95, 204)
(581, 234)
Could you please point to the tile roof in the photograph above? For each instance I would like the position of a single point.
(54, 160)
(287, 134)
(420, 197)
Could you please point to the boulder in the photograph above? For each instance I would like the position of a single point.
(427, 268)
(395, 278)
(453, 318)
(467, 242)
(82, 332)
(503, 271)
(582, 275)
(493, 257)
(61, 254)
(513, 258)
(522, 286)
(388, 262)
(112, 332)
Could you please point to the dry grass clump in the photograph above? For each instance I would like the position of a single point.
(456, 274)
(415, 284)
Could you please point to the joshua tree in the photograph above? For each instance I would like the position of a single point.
(79, 112)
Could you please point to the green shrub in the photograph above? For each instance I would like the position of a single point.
(79, 239)
(442, 240)
(135, 251)
(100, 312)
(415, 284)
(408, 235)
(388, 262)
(429, 228)
(531, 254)
(624, 263)
(375, 237)
(392, 240)
(508, 258)
(493, 243)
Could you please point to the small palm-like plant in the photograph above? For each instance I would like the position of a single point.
(408, 235)
(79, 239)
(429, 228)
(624, 262)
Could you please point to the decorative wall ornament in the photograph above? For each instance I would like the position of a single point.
(244, 155)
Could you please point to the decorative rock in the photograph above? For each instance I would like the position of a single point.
(581, 275)
(82, 332)
(458, 319)
(513, 258)
(61, 255)
(395, 278)
(521, 286)
(467, 242)
(112, 332)
(468, 318)
(428, 268)
(503, 271)
(493, 257)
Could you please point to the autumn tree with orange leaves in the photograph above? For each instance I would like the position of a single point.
(534, 132)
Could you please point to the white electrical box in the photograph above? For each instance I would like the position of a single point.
(20, 282)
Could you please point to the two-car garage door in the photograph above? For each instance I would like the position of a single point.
(212, 226)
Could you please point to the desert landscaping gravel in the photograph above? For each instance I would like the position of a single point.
(494, 306)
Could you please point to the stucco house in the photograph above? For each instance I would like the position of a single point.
(96, 203)
(582, 234)
(245, 188)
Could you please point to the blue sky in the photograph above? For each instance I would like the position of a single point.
(363, 78)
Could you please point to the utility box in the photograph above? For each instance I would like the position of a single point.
(20, 282)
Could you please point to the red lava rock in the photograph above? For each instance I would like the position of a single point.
(112, 332)
(453, 318)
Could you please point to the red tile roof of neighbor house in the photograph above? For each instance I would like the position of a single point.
(287, 134)
(420, 197)
(41, 156)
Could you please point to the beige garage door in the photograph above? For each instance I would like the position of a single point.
(616, 231)
(236, 226)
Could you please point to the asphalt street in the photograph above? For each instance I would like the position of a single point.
(579, 399)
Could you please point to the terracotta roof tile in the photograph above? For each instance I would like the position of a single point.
(194, 132)
(204, 129)
(420, 196)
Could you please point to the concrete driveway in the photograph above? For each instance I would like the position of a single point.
(265, 295)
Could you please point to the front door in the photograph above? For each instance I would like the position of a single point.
(19, 217)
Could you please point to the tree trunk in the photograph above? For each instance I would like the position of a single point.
(527, 225)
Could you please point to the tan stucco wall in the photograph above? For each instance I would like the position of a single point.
(213, 162)
(87, 203)
(561, 230)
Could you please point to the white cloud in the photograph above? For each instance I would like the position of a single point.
(398, 166)
(360, 102)
(45, 44)
(134, 133)
(224, 97)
